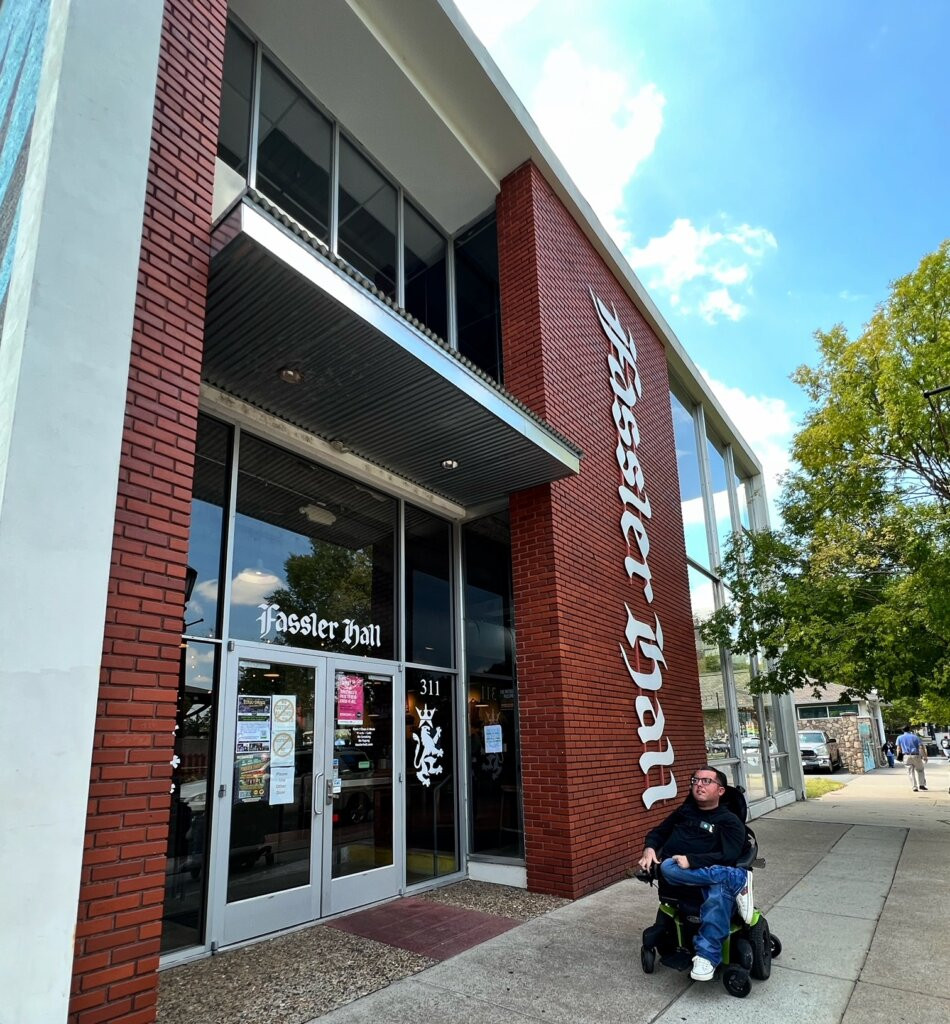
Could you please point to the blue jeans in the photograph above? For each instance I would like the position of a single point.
(719, 886)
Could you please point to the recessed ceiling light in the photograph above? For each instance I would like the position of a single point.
(319, 514)
(449, 464)
(289, 375)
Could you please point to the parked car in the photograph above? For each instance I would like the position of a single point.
(819, 751)
(752, 749)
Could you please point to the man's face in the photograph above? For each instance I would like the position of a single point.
(706, 789)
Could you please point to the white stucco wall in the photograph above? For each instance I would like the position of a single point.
(63, 374)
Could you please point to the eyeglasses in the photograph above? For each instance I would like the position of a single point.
(696, 781)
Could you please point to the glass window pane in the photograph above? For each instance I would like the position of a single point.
(185, 868)
(478, 297)
(367, 230)
(293, 153)
(711, 682)
(717, 470)
(489, 635)
(428, 589)
(493, 738)
(363, 746)
(431, 793)
(313, 556)
(691, 496)
(209, 499)
(235, 124)
(269, 840)
(494, 751)
(424, 255)
(743, 499)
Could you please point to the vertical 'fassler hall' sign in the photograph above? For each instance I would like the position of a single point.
(643, 653)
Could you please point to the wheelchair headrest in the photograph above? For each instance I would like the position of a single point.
(733, 800)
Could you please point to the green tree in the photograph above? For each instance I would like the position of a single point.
(855, 588)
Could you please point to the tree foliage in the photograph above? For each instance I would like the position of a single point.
(854, 589)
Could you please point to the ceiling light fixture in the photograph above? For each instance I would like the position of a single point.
(318, 514)
(449, 464)
(289, 375)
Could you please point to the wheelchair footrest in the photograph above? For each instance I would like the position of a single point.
(680, 960)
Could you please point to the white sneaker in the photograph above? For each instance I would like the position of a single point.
(744, 900)
(702, 970)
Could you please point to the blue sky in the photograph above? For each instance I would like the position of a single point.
(768, 168)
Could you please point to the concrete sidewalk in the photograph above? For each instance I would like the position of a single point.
(856, 886)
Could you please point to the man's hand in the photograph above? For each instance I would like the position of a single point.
(680, 861)
(647, 858)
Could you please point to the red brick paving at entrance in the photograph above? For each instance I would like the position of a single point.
(422, 926)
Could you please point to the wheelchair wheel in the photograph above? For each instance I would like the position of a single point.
(776, 943)
(736, 981)
(761, 941)
(647, 959)
(741, 953)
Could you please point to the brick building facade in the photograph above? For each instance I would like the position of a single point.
(366, 493)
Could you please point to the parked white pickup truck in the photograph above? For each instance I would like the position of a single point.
(818, 751)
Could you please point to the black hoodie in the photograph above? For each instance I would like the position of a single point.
(703, 837)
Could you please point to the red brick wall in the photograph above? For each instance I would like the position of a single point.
(584, 815)
(123, 877)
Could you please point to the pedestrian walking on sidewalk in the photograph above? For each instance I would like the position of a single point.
(915, 757)
(887, 749)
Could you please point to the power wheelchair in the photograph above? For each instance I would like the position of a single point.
(747, 951)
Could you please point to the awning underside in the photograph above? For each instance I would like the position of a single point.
(371, 381)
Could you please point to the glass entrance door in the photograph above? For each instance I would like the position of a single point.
(363, 836)
(306, 802)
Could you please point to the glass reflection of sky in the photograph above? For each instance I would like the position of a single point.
(717, 469)
(687, 467)
(260, 551)
(204, 555)
(743, 503)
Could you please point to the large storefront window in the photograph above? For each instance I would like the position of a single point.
(209, 498)
(431, 790)
(428, 589)
(691, 494)
(367, 227)
(424, 255)
(314, 553)
(236, 87)
(188, 831)
(478, 296)
(709, 664)
(492, 713)
(293, 152)
(720, 495)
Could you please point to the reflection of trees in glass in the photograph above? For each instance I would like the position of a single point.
(334, 582)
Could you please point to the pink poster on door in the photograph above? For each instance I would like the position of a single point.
(349, 700)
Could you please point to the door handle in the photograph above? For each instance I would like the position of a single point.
(332, 789)
(317, 803)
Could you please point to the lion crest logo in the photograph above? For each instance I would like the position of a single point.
(428, 753)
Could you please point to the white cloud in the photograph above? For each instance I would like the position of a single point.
(689, 262)
(600, 125)
(719, 303)
(251, 586)
(492, 18)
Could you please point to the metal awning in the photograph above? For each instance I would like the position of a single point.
(373, 383)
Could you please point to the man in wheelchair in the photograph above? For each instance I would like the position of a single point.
(697, 847)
